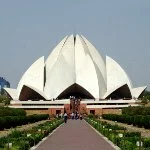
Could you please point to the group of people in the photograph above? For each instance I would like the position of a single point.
(76, 116)
(73, 115)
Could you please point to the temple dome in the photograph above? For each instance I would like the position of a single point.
(75, 67)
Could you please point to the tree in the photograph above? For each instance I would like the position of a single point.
(145, 97)
(4, 100)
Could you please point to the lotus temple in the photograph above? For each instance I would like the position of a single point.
(74, 77)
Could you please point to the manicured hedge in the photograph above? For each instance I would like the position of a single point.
(24, 140)
(140, 110)
(6, 111)
(13, 121)
(136, 120)
(126, 142)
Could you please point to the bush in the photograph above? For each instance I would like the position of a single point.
(6, 111)
(91, 116)
(127, 145)
(146, 122)
(128, 119)
(21, 141)
(146, 143)
(129, 139)
(35, 118)
(13, 121)
(132, 134)
(140, 110)
(23, 145)
(136, 120)
(3, 141)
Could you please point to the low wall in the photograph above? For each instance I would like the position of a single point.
(100, 111)
(50, 111)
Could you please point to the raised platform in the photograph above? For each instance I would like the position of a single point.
(84, 106)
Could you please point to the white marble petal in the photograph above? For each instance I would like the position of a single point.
(34, 76)
(12, 92)
(136, 92)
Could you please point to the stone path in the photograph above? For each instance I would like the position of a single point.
(75, 135)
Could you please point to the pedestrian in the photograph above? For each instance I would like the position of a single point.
(65, 117)
(72, 115)
(61, 115)
(80, 117)
(57, 115)
(76, 115)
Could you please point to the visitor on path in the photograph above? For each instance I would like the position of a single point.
(65, 117)
(72, 116)
(80, 117)
(76, 115)
(61, 115)
(57, 115)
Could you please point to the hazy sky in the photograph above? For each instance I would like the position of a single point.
(31, 29)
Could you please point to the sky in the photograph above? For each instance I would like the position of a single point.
(31, 29)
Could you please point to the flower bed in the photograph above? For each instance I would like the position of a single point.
(24, 140)
(120, 136)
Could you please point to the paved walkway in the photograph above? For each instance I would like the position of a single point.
(75, 135)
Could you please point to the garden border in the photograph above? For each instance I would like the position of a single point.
(45, 138)
(106, 139)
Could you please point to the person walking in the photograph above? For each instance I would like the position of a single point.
(65, 117)
(76, 115)
(61, 115)
(80, 117)
(72, 115)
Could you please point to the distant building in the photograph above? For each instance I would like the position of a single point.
(3, 84)
(74, 77)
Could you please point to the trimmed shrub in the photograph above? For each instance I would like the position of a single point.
(146, 142)
(146, 122)
(140, 110)
(132, 134)
(92, 116)
(136, 120)
(13, 121)
(6, 111)
(20, 140)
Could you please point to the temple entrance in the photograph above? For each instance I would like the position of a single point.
(77, 91)
(74, 105)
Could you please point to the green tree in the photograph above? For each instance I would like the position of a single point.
(145, 97)
(4, 100)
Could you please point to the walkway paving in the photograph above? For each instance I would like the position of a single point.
(75, 135)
